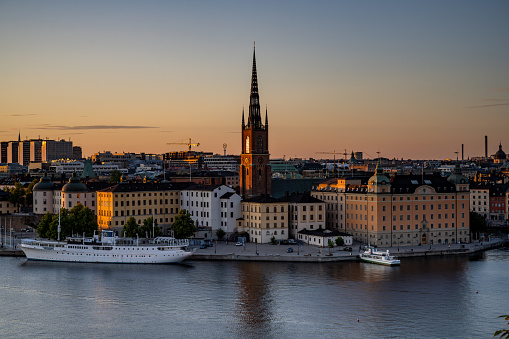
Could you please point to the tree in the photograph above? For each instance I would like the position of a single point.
(273, 240)
(17, 194)
(44, 224)
(331, 245)
(65, 225)
(115, 176)
(29, 195)
(505, 332)
(183, 227)
(220, 233)
(150, 226)
(477, 224)
(340, 241)
(131, 228)
(82, 220)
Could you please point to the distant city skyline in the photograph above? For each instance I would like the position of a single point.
(410, 80)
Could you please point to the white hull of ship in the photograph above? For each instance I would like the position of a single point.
(381, 261)
(117, 255)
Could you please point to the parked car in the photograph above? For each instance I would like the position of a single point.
(349, 249)
(292, 241)
(238, 244)
(289, 250)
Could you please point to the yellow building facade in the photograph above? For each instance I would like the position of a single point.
(116, 204)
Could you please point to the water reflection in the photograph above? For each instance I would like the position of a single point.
(254, 300)
(426, 297)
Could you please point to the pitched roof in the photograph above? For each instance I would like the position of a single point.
(134, 187)
(301, 198)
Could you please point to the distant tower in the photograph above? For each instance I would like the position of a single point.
(255, 172)
(486, 147)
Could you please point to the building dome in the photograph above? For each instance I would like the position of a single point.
(45, 184)
(456, 177)
(74, 185)
(379, 178)
(500, 155)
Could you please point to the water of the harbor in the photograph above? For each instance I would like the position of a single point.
(443, 297)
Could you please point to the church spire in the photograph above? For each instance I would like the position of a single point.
(19, 136)
(254, 118)
(266, 117)
(243, 124)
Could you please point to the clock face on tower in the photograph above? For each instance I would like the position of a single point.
(260, 160)
(246, 160)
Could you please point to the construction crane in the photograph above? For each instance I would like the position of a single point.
(189, 144)
(333, 152)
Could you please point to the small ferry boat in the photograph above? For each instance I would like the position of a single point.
(108, 249)
(377, 257)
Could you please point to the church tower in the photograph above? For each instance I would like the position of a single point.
(255, 172)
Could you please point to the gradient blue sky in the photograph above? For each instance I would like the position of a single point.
(408, 79)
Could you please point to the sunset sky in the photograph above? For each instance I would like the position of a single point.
(408, 79)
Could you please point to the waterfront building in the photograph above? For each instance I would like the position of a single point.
(409, 209)
(214, 206)
(255, 169)
(119, 202)
(333, 193)
(264, 218)
(305, 212)
(321, 237)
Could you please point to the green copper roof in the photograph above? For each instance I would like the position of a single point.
(45, 184)
(88, 171)
(74, 185)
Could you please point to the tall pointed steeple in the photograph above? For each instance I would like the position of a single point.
(266, 117)
(255, 173)
(19, 136)
(254, 118)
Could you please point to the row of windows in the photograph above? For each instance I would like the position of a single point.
(266, 233)
(127, 203)
(401, 198)
(267, 225)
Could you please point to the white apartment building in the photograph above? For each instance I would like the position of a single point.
(212, 206)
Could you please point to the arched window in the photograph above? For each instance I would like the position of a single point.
(247, 144)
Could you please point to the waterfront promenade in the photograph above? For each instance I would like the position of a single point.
(308, 253)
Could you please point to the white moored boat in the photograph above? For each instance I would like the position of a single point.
(378, 257)
(109, 249)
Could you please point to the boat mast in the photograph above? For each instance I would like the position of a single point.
(59, 227)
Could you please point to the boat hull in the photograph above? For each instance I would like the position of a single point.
(115, 255)
(381, 262)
